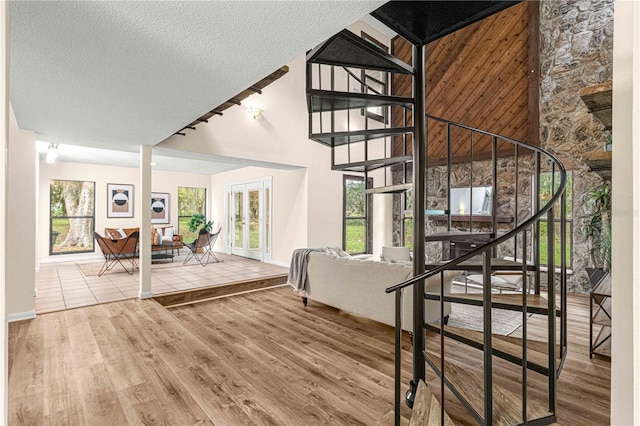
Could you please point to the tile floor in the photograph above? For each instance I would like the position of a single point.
(64, 286)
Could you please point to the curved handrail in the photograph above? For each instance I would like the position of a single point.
(556, 196)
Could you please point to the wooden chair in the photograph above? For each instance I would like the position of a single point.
(119, 251)
(201, 248)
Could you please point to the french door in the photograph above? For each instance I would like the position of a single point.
(248, 223)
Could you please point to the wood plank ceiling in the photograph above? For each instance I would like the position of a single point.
(479, 76)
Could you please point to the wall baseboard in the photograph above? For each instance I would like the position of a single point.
(145, 295)
(21, 316)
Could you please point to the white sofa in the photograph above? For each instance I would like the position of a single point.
(357, 286)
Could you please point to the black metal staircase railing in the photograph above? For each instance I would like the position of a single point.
(528, 260)
(366, 146)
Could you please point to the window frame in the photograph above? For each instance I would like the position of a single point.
(557, 221)
(189, 216)
(368, 217)
(67, 217)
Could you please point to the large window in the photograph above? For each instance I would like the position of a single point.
(356, 236)
(190, 202)
(407, 220)
(547, 183)
(71, 216)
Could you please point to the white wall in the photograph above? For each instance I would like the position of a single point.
(289, 207)
(167, 182)
(280, 135)
(625, 350)
(4, 140)
(21, 217)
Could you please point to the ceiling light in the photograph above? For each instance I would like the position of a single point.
(52, 154)
(255, 112)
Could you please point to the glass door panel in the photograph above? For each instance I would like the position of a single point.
(254, 220)
(238, 220)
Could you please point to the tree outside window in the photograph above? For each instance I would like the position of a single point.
(356, 216)
(72, 216)
(190, 202)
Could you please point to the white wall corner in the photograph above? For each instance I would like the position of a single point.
(21, 316)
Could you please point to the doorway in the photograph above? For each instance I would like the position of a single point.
(248, 219)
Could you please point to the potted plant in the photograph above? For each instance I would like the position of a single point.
(197, 220)
(608, 145)
(596, 227)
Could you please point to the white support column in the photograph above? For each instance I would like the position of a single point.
(144, 201)
(625, 349)
(4, 139)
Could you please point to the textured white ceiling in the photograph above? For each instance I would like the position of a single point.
(163, 159)
(120, 74)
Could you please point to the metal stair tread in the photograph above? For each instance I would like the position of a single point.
(355, 136)
(426, 409)
(450, 235)
(349, 50)
(369, 165)
(391, 189)
(475, 264)
(328, 100)
(505, 347)
(507, 407)
(536, 304)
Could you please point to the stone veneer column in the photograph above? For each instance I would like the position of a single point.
(576, 51)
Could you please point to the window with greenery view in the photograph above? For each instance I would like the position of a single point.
(548, 184)
(356, 216)
(71, 216)
(190, 202)
(407, 220)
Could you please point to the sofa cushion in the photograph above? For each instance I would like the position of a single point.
(167, 235)
(337, 251)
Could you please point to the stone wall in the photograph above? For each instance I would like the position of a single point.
(576, 46)
(576, 51)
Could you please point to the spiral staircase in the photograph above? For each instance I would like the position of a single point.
(494, 379)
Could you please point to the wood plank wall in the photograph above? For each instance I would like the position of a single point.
(479, 76)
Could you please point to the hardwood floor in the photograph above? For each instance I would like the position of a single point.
(258, 358)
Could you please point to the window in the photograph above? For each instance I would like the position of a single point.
(71, 216)
(407, 220)
(190, 201)
(356, 236)
(547, 181)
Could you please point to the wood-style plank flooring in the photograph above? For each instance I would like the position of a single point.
(258, 358)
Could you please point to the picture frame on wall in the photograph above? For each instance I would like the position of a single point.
(159, 207)
(119, 200)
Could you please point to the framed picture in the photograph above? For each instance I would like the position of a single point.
(159, 207)
(119, 200)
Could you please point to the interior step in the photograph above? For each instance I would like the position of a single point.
(536, 304)
(505, 347)
(476, 264)
(367, 166)
(207, 293)
(392, 189)
(426, 409)
(469, 389)
(349, 50)
(342, 138)
(328, 100)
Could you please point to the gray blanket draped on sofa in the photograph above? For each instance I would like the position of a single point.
(298, 269)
